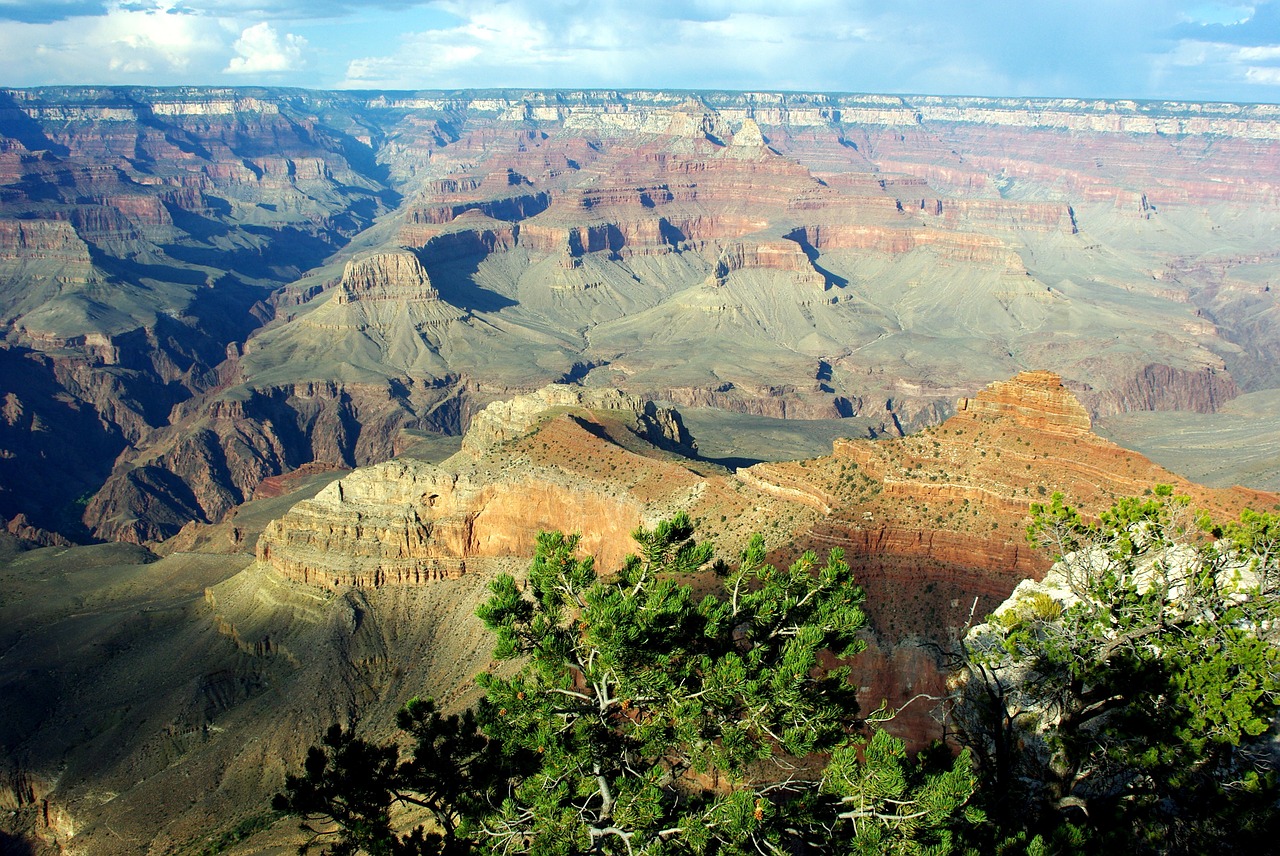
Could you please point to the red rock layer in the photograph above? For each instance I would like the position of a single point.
(1036, 400)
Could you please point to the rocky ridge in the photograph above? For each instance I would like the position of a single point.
(179, 263)
(407, 521)
(932, 523)
(954, 495)
(362, 595)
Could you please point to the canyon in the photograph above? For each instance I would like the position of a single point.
(154, 698)
(213, 287)
(287, 377)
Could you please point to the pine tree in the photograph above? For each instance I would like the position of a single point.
(641, 719)
(349, 786)
(1129, 702)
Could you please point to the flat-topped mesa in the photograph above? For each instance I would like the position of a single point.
(1035, 399)
(506, 420)
(385, 276)
(694, 119)
(393, 522)
(42, 240)
(779, 254)
(471, 233)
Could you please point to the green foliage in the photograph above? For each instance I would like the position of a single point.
(638, 718)
(651, 710)
(349, 786)
(243, 830)
(1137, 714)
(890, 804)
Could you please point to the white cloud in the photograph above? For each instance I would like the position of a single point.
(500, 43)
(1053, 47)
(1140, 48)
(1261, 53)
(124, 45)
(1221, 64)
(261, 50)
(145, 42)
(1266, 75)
(527, 43)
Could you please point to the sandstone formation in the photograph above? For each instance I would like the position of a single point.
(1035, 400)
(506, 420)
(176, 264)
(407, 521)
(413, 523)
(183, 688)
(385, 276)
(933, 523)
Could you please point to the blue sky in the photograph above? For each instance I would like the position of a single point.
(1222, 51)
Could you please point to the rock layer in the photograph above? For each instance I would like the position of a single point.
(385, 276)
(932, 524)
(404, 522)
(174, 253)
(1036, 400)
(409, 522)
(364, 595)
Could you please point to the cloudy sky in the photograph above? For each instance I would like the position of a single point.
(1187, 49)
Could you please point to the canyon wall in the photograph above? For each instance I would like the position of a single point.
(187, 686)
(217, 286)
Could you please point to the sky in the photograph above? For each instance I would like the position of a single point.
(1201, 50)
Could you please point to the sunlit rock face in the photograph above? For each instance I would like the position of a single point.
(187, 686)
(385, 277)
(1035, 400)
(410, 522)
(212, 287)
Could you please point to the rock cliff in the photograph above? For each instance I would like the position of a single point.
(407, 521)
(174, 254)
(933, 524)
(1035, 400)
(404, 522)
(506, 420)
(385, 276)
(363, 594)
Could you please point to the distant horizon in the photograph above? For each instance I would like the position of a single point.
(692, 90)
(1194, 51)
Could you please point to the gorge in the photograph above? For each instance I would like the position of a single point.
(211, 287)
(158, 697)
(287, 376)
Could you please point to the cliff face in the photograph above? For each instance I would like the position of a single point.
(141, 238)
(363, 595)
(505, 420)
(218, 458)
(933, 524)
(385, 276)
(410, 522)
(407, 523)
(174, 254)
(1036, 401)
